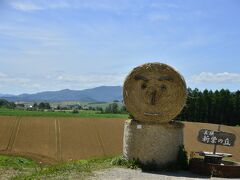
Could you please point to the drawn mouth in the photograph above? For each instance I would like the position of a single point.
(152, 114)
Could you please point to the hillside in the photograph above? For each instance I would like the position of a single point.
(98, 94)
(5, 95)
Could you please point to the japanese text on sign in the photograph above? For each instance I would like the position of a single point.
(216, 137)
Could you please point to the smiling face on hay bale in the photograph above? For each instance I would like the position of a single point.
(154, 92)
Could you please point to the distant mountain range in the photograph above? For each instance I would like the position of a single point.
(5, 95)
(98, 94)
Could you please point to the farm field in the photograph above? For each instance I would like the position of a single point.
(92, 104)
(87, 138)
(54, 139)
(6, 132)
(67, 113)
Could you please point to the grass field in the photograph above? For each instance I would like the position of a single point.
(82, 113)
(21, 168)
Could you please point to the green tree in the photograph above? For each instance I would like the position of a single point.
(123, 109)
(44, 105)
(112, 108)
(220, 107)
(35, 105)
(6, 104)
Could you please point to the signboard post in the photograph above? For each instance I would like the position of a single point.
(215, 145)
(215, 138)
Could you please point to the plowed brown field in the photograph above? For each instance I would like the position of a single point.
(6, 131)
(85, 138)
(36, 136)
(54, 140)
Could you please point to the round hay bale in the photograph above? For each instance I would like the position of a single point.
(154, 92)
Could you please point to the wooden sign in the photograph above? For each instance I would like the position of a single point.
(216, 137)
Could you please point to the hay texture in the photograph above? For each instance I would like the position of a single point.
(154, 92)
(150, 143)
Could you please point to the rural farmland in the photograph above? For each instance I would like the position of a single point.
(55, 139)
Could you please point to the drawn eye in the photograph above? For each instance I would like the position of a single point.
(165, 78)
(163, 87)
(140, 77)
(144, 85)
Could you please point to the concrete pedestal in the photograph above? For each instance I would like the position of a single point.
(149, 142)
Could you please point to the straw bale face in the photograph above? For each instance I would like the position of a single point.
(154, 92)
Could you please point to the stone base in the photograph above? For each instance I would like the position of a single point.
(152, 143)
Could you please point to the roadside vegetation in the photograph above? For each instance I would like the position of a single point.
(17, 163)
(12, 167)
(21, 168)
(181, 164)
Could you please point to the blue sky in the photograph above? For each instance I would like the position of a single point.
(78, 44)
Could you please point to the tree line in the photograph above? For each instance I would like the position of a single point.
(219, 107)
(42, 105)
(115, 109)
(6, 104)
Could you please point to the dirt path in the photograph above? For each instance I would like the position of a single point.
(129, 174)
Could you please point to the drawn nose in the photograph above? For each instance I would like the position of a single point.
(153, 97)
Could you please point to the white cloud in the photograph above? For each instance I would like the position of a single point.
(44, 37)
(25, 6)
(31, 5)
(27, 84)
(92, 79)
(60, 80)
(12, 80)
(2, 75)
(208, 77)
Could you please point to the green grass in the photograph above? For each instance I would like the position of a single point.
(75, 169)
(11, 166)
(121, 161)
(82, 113)
(22, 168)
(17, 163)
